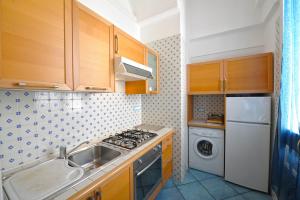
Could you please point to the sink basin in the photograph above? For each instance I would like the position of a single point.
(93, 157)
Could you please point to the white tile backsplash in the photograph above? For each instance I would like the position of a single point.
(205, 104)
(34, 124)
(167, 108)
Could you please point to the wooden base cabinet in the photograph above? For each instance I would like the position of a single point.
(36, 44)
(114, 186)
(167, 158)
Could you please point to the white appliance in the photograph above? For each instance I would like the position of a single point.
(247, 149)
(1, 190)
(129, 70)
(206, 150)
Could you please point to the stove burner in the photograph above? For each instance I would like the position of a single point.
(130, 139)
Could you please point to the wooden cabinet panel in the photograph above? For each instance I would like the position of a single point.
(251, 74)
(128, 47)
(167, 171)
(36, 44)
(118, 187)
(167, 158)
(93, 51)
(205, 78)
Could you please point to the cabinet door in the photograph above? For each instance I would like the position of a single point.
(36, 44)
(251, 74)
(93, 51)
(117, 187)
(153, 63)
(205, 78)
(128, 47)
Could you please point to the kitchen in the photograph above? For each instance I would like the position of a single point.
(131, 99)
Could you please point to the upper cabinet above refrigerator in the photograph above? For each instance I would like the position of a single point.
(249, 74)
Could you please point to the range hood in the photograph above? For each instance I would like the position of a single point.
(129, 70)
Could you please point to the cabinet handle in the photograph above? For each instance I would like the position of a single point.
(98, 195)
(117, 44)
(95, 88)
(32, 85)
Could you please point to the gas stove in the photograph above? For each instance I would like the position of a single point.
(130, 139)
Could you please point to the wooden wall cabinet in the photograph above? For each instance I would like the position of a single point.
(205, 78)
(36, 44)
(250, 74)
(128, 47)
(93, 51)
(150, 86)
(114, 186)
(167, 158)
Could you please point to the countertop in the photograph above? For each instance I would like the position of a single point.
(204, 124)
(96, 174)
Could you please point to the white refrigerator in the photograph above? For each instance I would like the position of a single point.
(247, 141)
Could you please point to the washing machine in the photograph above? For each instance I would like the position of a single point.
(206, 150)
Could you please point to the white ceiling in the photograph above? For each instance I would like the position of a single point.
(141, 10)
(144, 9)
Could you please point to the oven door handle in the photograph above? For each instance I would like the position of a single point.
(143, 170)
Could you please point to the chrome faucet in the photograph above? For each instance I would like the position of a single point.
(63, 150)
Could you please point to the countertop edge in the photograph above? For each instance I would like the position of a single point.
(116, 165)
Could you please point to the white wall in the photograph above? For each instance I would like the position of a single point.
(216, 16)
(112, 13)
(160, 26)
(218, 29)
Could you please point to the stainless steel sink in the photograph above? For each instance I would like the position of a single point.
(93, 157)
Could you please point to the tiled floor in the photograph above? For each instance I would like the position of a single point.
(199, 185)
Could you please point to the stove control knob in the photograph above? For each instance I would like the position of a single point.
(140, 161)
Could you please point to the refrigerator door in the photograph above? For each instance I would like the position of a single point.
(248, 109)
(247, 154)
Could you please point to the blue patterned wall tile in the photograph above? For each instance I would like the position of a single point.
(34, 124)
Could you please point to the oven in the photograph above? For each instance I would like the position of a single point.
(147, 173)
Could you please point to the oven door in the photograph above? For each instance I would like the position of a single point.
(148, 178)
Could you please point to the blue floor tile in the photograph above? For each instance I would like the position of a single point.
(218, 188)
(200, 176)
(240, 197)
(169, 184)
(194, 191)
(169, 194)
(189, 178)
(237, 188)
(257, 196)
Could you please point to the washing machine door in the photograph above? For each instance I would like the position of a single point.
(206, 148)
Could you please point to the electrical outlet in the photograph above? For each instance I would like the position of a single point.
(201, 110)
(137, 108)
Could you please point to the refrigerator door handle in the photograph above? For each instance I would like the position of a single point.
(241, 122)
